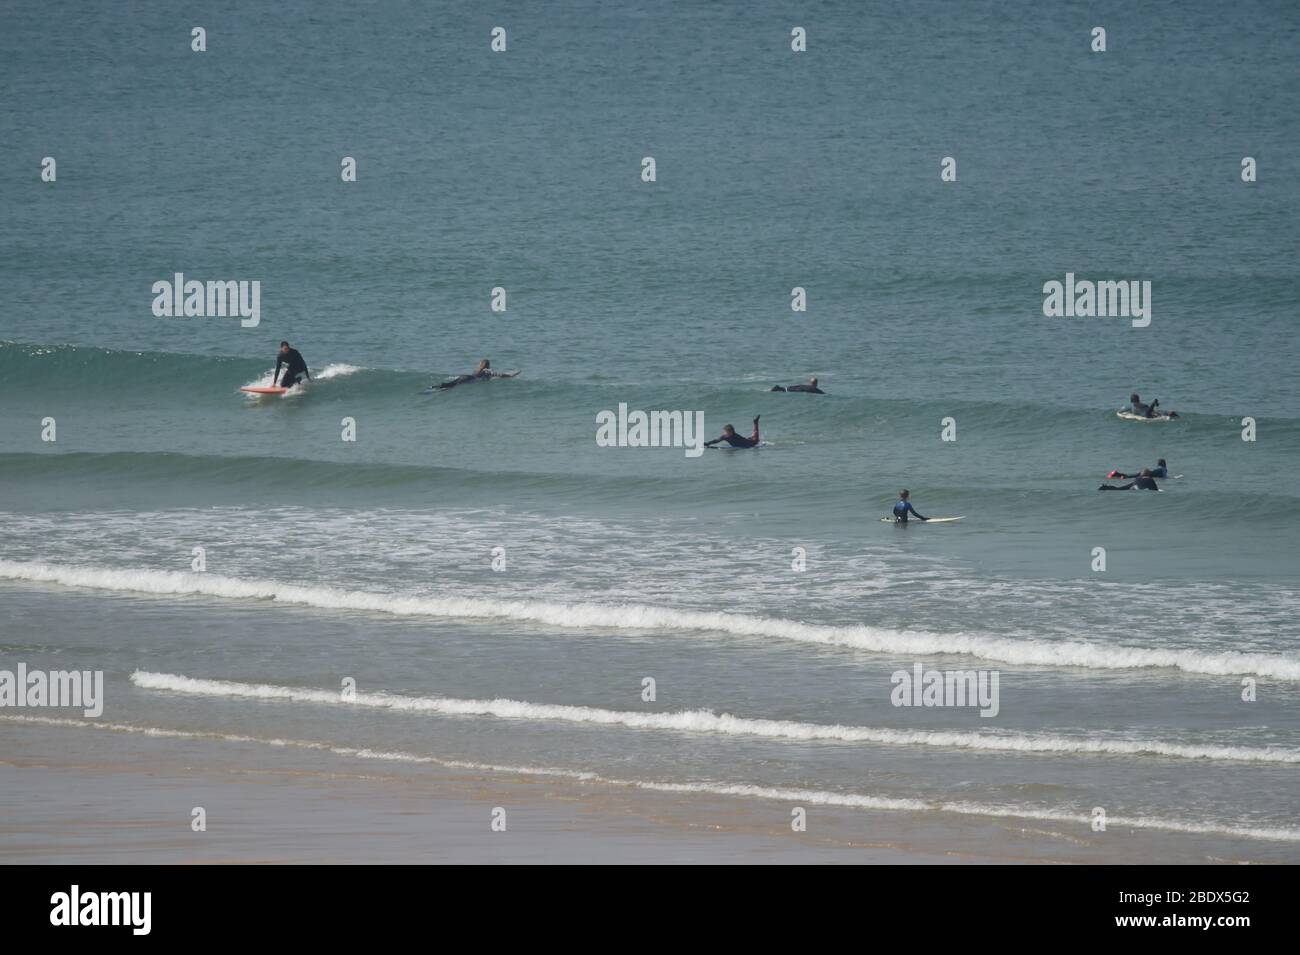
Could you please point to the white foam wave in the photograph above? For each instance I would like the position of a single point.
(801, 796)
(334, 370)
(1023, 652)
(705, 721)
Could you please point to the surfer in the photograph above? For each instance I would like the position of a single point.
(1161, 470)
(482, 373)
(1143, 482)
(736, 441)
(904, 507)
(1138, 407)
(292, 359)
(810, 388)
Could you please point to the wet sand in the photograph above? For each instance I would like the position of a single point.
(66, 798)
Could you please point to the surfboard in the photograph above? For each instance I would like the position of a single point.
(1130, 416)
(917, 520)
(264, 390)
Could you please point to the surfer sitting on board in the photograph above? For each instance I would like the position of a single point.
(904, 507)
(736, 441)
(1161, 470)
(1143, 482)
(481, 373)
(1136, 406)
(292, 359)
(810, 388)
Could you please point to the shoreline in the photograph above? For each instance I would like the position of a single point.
(65, 801)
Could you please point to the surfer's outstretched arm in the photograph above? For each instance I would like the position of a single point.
(754, 437)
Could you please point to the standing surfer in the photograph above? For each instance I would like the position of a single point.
(904, 507)
(292, 359)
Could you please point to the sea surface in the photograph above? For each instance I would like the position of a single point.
(500, 587)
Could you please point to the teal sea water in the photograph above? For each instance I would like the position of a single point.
(373, 559)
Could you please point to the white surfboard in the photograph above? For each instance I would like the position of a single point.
(1130, 416)
(917, 520)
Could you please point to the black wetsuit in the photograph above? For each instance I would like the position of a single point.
(295, 366)
(466, 379)
(901, 510)
(1156, 472)
(452, 383)
(807, 389)
(1141, 483)
(735, 440)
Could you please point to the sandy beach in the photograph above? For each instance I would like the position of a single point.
(62, 801)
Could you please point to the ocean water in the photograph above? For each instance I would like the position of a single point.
(373, 559)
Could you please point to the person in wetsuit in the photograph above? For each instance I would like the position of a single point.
(292, 359)
(1143, 482)
(736, 441)
(481, 373)
(1161, 470)
(1138, 407)
(810, 388)
(904, 507)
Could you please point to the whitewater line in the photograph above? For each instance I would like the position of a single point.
(706, 721)
(1096, 656)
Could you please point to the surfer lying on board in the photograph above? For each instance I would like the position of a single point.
(810, 388)
(1143, 482)
(292, 359)
(736, 441)
(904, 507)
(1138, 407)
(482, 373)
(1161, 470)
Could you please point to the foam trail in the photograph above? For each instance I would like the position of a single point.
(1095, 656)
(705, 721)
(334, 370)
(803, 796)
